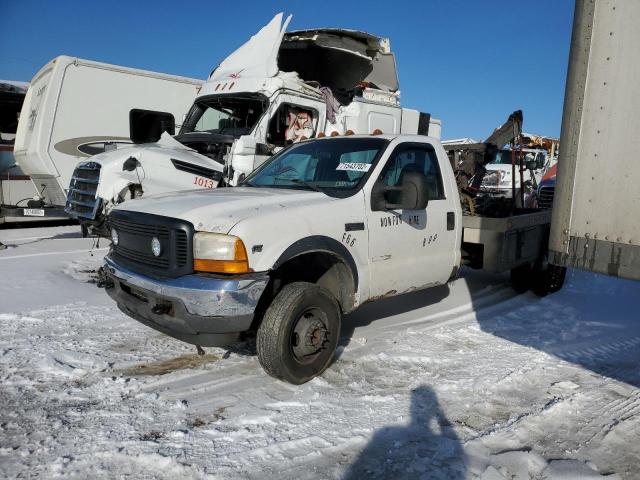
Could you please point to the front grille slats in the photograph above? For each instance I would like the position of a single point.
(142, 258)
(136, 231)
(545, 197)
(81, 198)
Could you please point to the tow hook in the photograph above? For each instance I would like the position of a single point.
(104, 281)
(161, 308)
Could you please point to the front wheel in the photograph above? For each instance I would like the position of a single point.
(299, 333)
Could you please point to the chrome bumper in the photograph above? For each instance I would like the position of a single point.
(199, 309)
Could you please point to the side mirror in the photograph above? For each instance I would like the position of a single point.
(412, 194)
(245, 145)
(147, 126)
(532, 165)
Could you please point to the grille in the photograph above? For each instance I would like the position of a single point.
(545, 197)
(81, 197)
(136, 231)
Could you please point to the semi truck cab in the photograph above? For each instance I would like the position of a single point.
(277, 89)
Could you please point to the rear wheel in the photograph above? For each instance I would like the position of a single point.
(521, 278)
(299, 333)
(548, 278)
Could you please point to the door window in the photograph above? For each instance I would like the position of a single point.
(421, 159)
(291, 124)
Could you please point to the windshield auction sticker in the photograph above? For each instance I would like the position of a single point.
(354, 167)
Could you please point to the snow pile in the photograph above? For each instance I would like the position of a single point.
(469, 382)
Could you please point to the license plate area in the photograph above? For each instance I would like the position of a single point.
(33, 212)
(134, 293)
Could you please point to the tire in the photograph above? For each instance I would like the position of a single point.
(549, 279)
(521, 278)
(299, 333)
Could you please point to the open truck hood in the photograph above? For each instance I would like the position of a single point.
(333, 57)
(258, 57)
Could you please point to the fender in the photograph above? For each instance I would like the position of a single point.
(320, 243)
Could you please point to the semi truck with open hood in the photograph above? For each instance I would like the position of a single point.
(276, 89)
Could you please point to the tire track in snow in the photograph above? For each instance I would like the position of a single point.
(245, 374)
(598, 352)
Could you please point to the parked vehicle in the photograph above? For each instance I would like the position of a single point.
(497, 180)
(76, 108)
(278, 88)
(319, 229)
(597, 201)
(15, 186)
(547, 188)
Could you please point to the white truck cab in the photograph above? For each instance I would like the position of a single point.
(278, 88)
(497, 180)
(320, 228)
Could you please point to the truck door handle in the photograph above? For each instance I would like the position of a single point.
(451, 220)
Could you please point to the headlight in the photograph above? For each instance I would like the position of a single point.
(218, 253)
(115, 238)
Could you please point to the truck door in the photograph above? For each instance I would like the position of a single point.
(410, 249)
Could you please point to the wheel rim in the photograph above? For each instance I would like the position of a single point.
(309, 337)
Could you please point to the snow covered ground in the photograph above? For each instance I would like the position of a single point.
(467, 381)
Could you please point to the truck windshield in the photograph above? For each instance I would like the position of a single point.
(503, 157)
(327, 164)
(225, 115)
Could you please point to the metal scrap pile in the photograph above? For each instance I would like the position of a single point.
(468, 162)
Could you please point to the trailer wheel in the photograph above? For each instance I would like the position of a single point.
(548, 279)
(299, 333)
(521, 278)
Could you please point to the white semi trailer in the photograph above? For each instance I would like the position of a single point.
(596, 209)
(73, 109)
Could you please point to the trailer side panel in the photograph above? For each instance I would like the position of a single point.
(597, 200)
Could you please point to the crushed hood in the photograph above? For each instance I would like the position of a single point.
(258, 56)
(339, 58)
(333, 57)
(220, 209)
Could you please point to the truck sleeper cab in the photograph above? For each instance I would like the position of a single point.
(320, 228)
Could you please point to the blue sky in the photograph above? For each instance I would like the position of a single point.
(467, 62)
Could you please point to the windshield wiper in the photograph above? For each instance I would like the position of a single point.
(297, 181)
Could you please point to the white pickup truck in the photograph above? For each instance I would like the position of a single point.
(320, 228)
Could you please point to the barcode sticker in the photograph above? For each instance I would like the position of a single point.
(354, 167)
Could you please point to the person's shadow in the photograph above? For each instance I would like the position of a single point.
(427, 448)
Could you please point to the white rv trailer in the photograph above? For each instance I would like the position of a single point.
(15, 186)
(76, 108)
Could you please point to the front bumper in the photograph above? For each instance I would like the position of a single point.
(200, 309)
